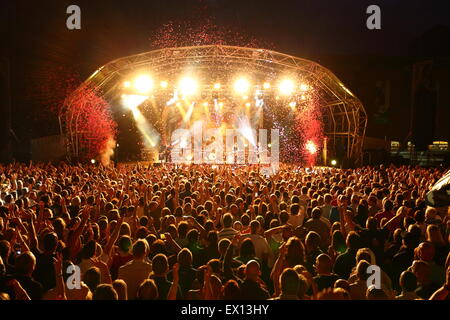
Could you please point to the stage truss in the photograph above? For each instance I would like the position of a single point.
(344, 117)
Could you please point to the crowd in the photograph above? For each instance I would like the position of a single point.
(221, 232)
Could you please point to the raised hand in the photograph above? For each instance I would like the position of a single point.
(168, 236)
(175, 270)
(208, 272)
(57, 263)
(19, 291)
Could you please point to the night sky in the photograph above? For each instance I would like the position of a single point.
(43, 53)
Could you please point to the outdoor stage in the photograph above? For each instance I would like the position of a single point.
(215, 104)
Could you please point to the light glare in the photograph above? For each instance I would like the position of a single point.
(188, 86)
(132, 101)
(287, 87)
(143, 84)
(241, 85)
(311, 147)
(304, 87)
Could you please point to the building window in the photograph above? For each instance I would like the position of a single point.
(395, 146)
(438, 146)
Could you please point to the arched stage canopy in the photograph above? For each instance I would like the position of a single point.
(344, 117)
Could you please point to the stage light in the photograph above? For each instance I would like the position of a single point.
(188, 86)
(304, 87)
(217, 86)
(246, 131)
(286, 87)
(127, 84)
(333, 162)
(212, 156)
(143, 84)
(241, 85)
(311, 147)
(292, 104)
(248, 104)
(132, 101)
(173, 99)
(269, 145)
(266, 85)
(164, 84)
(93, 161)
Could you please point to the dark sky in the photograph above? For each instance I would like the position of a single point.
(313, 25)
(41, 49)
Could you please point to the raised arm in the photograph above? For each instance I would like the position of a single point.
(443, 292)
(72, 242)
(32, 233)
(342, 221)
(60, 286)
(269, 233)
(84, 219)
(390, 225)
(172, 295)
(198, 226)
(207, 290)
(113, 238)
(227, 266)
(278, 269)
(19, 291)
(172, 242)
(162, 199)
